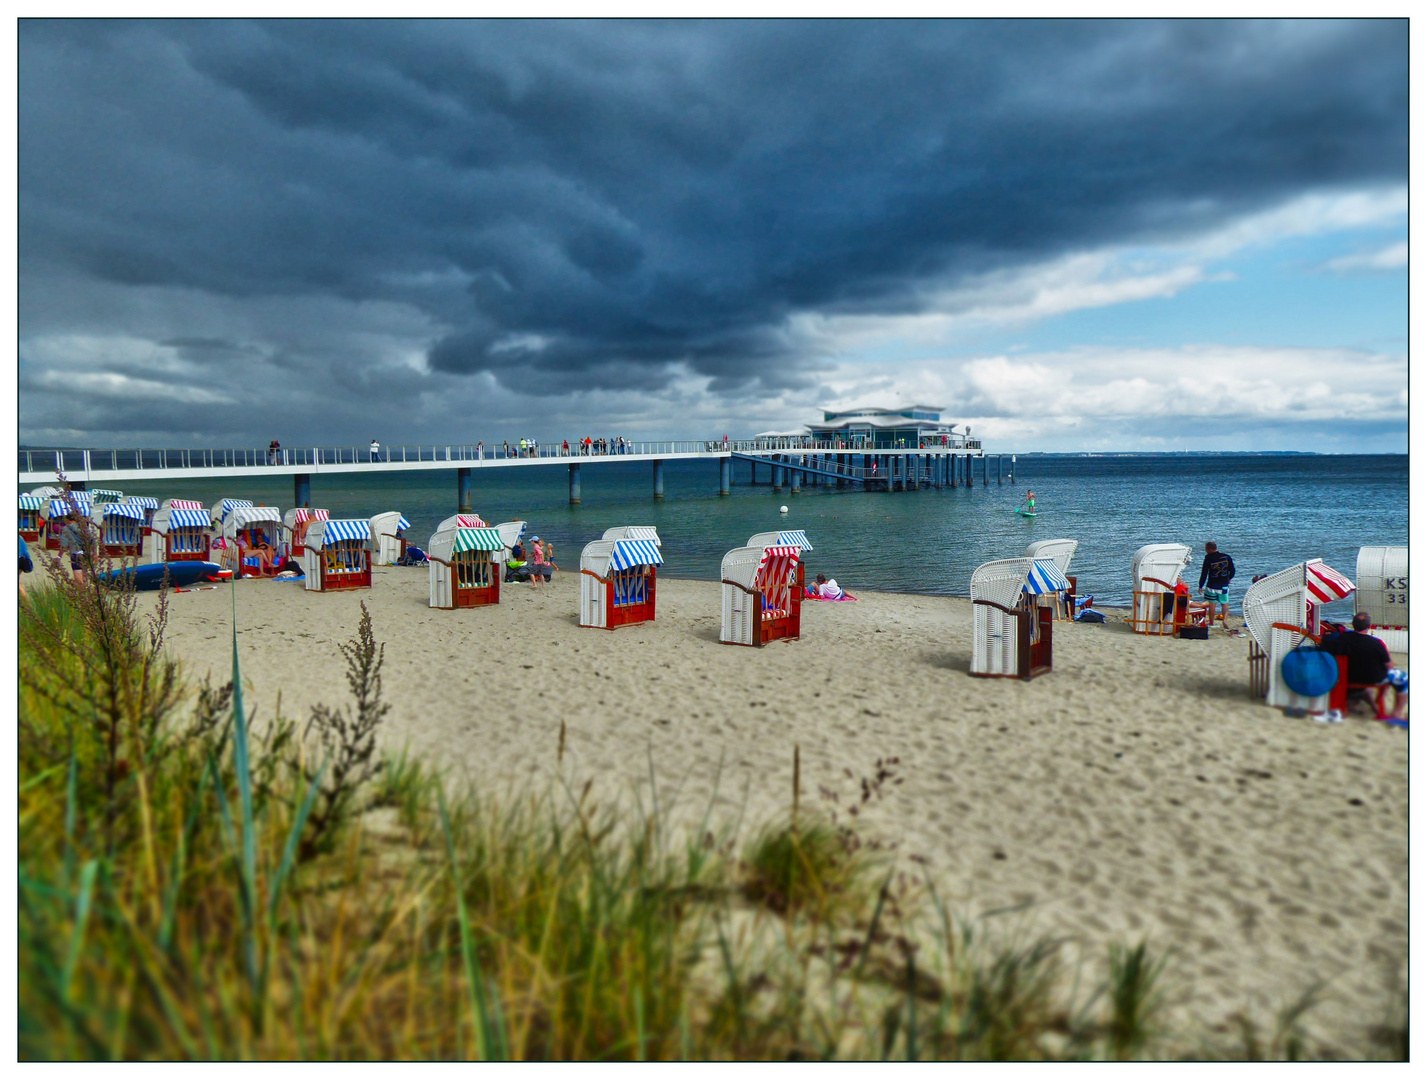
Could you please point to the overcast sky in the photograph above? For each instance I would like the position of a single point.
(1073, 236)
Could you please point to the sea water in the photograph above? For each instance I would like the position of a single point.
(1267, 511)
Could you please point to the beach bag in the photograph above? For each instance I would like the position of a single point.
(1090, 615)
(1309, 672)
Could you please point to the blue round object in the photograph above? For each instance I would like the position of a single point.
(1309, 672)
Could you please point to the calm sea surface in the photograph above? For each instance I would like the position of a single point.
(1266, 511)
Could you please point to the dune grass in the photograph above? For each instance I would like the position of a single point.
(194, 885)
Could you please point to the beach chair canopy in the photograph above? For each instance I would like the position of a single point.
(462, 521)
(49, 491)
(323, 534)
(303, 513)
(245, 517)
(1285, 596)
(604, 557)
(118, 510)
(448, 542)
(1005, 580)
(1163, 562)
(182, 504)
(106, 495)
(61, 506)
(168, 518)
(510, 532)
(1062, 551)
(755, 566)
(390, 523)
(148, 502)
(31, 502)
(787, 538)
(225, 508)
(632, 532)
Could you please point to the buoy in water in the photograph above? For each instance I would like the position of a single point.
(782, 509)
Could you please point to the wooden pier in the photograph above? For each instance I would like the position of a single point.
(790, 467)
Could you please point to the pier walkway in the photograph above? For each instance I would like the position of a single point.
(790, 463)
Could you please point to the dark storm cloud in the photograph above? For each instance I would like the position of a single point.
(610, 197)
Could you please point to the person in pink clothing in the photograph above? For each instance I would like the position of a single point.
(537, 563)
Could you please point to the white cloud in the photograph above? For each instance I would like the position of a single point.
(1308, 215)
(1105, 277)
(1393, 257)
(113, 386)
(1086, 398)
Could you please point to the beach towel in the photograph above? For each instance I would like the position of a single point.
(810, 595)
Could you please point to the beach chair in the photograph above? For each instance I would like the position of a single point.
(179, 533)
(1280, 612)
(617, 580)
(465, 567)
(148, 504)
(297, 521)
(254, 540)
(786, 538)
(1382, 594)
(57, 510)
(1011, 635)
(121, 530)
(337, 555)
(31, 507)
(1156, 570)
(106, 495)
(388, 539)
(762, 601)
(1061, 552)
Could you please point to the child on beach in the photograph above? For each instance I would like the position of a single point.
(537, 563)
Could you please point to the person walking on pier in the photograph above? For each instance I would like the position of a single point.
(376, 449)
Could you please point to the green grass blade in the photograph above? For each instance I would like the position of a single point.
(289, 850)
(249, 873)
(176, 866)
(479, 1013)
(81, 920)
(71, 803)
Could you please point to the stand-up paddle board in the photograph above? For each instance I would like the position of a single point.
(1026, 513)
(151, 575)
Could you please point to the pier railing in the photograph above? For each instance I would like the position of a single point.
(72, 461)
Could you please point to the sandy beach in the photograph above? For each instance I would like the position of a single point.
(1134, 791)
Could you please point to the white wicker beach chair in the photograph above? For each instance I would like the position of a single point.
(1011, 634)
(464, 567)
(1382, 593)
(618, 581)
(337, 555)
(387, 547)
(1155, 569)
(1280, 611)
(762, 600)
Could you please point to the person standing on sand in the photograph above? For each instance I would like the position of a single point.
(71, 541)
(1214, 577)
(537, 563)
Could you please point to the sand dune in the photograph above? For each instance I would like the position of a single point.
(1135, 791)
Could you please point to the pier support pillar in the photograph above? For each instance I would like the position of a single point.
(1000, 471)
(574, 484)
(753, 474)
(777, 479)
(658, 479)
(725, 467)
(1013, 468)
(463, 491)
(795, 480)
(301, 489)
(985, 471)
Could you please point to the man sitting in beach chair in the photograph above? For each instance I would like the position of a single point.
(1370, 668)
